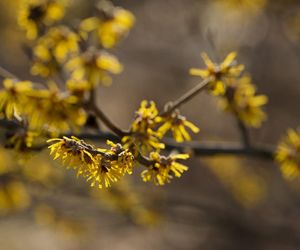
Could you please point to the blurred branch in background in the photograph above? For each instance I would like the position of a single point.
(197, 148)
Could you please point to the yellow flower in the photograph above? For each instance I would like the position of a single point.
(74, 153)
(55, 111)
(111, 26)
(216, 73)
(13, 196)
(99, 166)
(146, 117)
(288, 154)
(177, 123)
(52, 50)
(103, 174)
(120, 157)
(21, 139)
(94, 66)
(35, 15)
(13, 97)
(241, 99)
(45, 109)
(142, 135)
(164, 168)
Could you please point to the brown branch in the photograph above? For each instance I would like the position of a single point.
(144, 160)
(222, 148)
(198, 149)
(185, 97)
(243, 132)
(6, 74)
(108, 123)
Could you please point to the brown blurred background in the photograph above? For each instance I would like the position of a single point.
(209, 207)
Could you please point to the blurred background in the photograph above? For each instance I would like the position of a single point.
(222, 202)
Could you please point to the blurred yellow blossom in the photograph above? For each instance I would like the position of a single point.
(126, 199)
(94, 65)
(241, 99)
(6, 164)
(243, 5)
(35, 15)
(292, 26)
(247, 187)
(55, 111)
(21, 139)
(288, 154)
(46, 215)
(112, 24)
(44, 108)
(52, 50)
(13, 197)
(13, 97)
(38, 169)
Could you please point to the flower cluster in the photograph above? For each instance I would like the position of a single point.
(111, 24)
(143, 135)
(236, 92)
(52, 49)
(44, 109)
(164, 168)
(13, 97)
(149, 127)
(59, 112)
(216, 74)
(94, 65)
(177, 123)
(288, 154)
(241, 99)
(99, 166)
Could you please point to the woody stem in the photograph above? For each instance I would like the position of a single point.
(186, 96)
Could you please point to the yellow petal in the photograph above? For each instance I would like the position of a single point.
(191, 126)
(199, 72)
(228, 60)
(207, 61)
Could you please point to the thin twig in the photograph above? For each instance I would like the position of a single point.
(244, 133)
(199, 149)
(222, 148)
(108, 123)
(6, 74)
(186, 97)
(144, 160)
